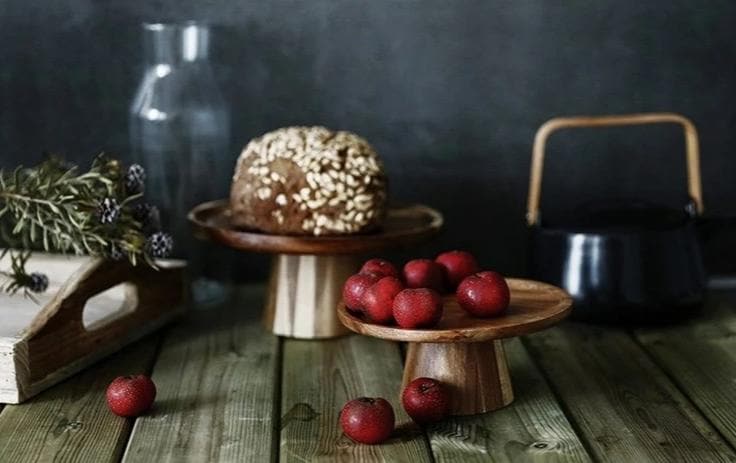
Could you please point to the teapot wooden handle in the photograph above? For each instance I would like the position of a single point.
(692, 150)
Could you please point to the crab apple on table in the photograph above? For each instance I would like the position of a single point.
(485, 294)
(368, 420)
(380, 267)
(130, 396)
(426, 400)
(354, 287)
(423, 273)
(456, 266)
(378, 300)
(417, 308)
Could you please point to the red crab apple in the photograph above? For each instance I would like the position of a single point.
(380, 267)
(456, 266)
(378, 300)
(484, 294)
(423, 273)
(354, 287)
(417, 308)
(426, 400)
(130, 395)
(367, 420)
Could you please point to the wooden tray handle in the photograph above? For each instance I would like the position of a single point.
(57, 335)
(540, 139)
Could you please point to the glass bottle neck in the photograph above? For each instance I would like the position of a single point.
(176, 43)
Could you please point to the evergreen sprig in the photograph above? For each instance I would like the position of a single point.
(56, 208)
(19, 278)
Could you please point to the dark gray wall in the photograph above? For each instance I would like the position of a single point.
(450, 92)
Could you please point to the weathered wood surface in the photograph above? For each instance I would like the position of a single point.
(92, 308)
(532, 429)
(700, 357)
(71, 422)
(621, 403)
(319, 378)
(216, 378)
(227, 391)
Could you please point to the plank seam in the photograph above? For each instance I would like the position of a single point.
(125, 437)
(401, 347)
(276, 403)
(558, 397)
(678, 386)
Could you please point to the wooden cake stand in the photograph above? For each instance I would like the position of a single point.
(308, 272)
(465, 352)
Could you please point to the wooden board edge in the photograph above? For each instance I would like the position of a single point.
(13, 359)
(103, 351)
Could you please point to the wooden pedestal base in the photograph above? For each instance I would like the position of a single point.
(303, 291)
(476, 373)
(308, 271)
(466, 352)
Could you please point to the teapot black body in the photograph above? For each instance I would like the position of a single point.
(624, 261)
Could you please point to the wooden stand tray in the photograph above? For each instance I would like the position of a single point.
(91, 309)
(308, 272)
(466, 353)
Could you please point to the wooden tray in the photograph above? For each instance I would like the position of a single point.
(308, 272)
(466, 352)
(91, 309)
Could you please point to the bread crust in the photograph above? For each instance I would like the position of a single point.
(309, 181)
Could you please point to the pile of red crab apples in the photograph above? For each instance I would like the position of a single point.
(413, 298)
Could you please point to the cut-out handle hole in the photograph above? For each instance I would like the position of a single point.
(109, 305)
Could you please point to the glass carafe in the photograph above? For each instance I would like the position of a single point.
(179, 129)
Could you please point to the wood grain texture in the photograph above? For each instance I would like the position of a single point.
(475, 373)
(303, 293)
(216, 379)
(700, 356)
(56, 343)
(533, 429)
(319, 378)
(534, 306)
(619, 400)
(404, 225)
(71, 422)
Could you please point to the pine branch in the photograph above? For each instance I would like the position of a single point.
(55, 208)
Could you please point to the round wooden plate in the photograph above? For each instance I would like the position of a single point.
(403, 225)
(534, 305)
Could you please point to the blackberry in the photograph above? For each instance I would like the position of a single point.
(135, 179)
(38, 282)
(148, 216)
(108, 210)
(159, 245)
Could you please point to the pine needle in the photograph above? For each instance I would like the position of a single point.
(54, 208)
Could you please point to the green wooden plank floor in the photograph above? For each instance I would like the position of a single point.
(71, 421)
(229, 391)
(319, 377)
(216, 376)
(622, 403)
(532, 428)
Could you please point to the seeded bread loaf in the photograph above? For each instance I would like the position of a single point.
(308, 181)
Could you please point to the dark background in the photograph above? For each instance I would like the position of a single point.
(449, 92)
